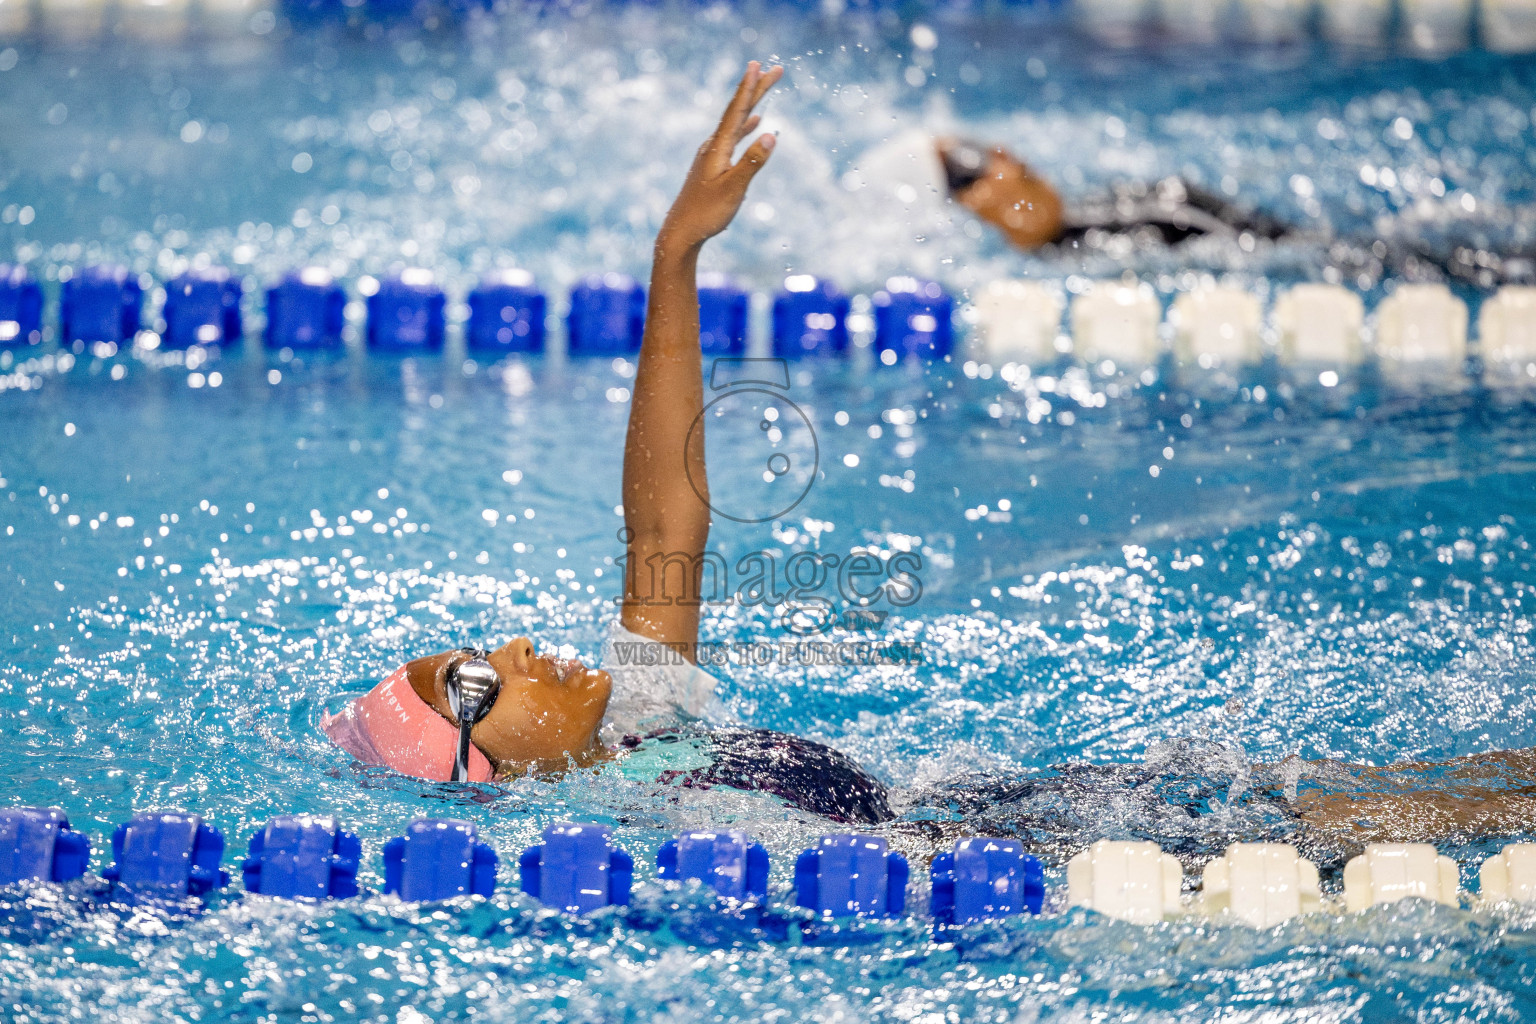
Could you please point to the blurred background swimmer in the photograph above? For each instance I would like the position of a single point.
(1003, 191)
(1129, 217)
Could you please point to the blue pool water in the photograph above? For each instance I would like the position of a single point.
(190, 576)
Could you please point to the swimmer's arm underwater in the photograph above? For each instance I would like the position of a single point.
(666, 510)
(1490, 794)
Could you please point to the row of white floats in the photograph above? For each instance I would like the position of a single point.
(1425, 26)
(1318, 325)
(144, 20)
(1429, 27)
(1265, 884)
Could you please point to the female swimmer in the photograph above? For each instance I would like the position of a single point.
(472, 715)
(1003, 191)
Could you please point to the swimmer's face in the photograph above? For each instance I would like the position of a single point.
(548, 709)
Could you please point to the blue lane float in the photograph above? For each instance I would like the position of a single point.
(439, 859)
(577, 869)
(202, 307)
(305, 310)
(167, 855)
(406, 314)
(848, 875)
(810, 317)
(37, 845)
(730, 863)
(722, 316)
(302, 856)
(913, 318)
(506, 314)
(21, 306)
(981, 879)
(607, 316)
(100, 303)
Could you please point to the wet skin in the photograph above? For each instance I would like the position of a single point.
(546, 714)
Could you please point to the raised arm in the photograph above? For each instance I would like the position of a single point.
(666, 497)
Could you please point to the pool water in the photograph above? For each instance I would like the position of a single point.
(191, 575)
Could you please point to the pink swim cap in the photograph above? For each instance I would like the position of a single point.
(390, 725)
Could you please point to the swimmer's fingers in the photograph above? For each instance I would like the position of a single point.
(718, 148)
(746, 129)
(752, 160)
(754, 85)
(765, 81)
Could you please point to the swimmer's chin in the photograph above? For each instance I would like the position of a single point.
(589, 758)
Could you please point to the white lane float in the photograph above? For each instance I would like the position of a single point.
(1195, 21)
(1506, 329)
(1510, 875)
(73, 20)
(1421, 323)
(154, 21)
(1261, 884)
(15, 17)
(1217, 326)
(1274, 21)
(230, 17)
(1509, 26)
(1388, 872)
(1436, 26)
(1356, 22)
(1320, 324)
(1131, 881)
(1018, 321)
(1117, 322)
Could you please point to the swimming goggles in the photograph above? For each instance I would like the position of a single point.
(473, 685)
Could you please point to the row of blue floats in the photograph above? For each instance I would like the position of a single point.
(507, 312)
(576, 869)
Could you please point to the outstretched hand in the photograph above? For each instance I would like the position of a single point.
(715, 187)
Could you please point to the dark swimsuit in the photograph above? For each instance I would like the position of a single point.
(804, 774)
(1193, 802)
(1168, 213)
